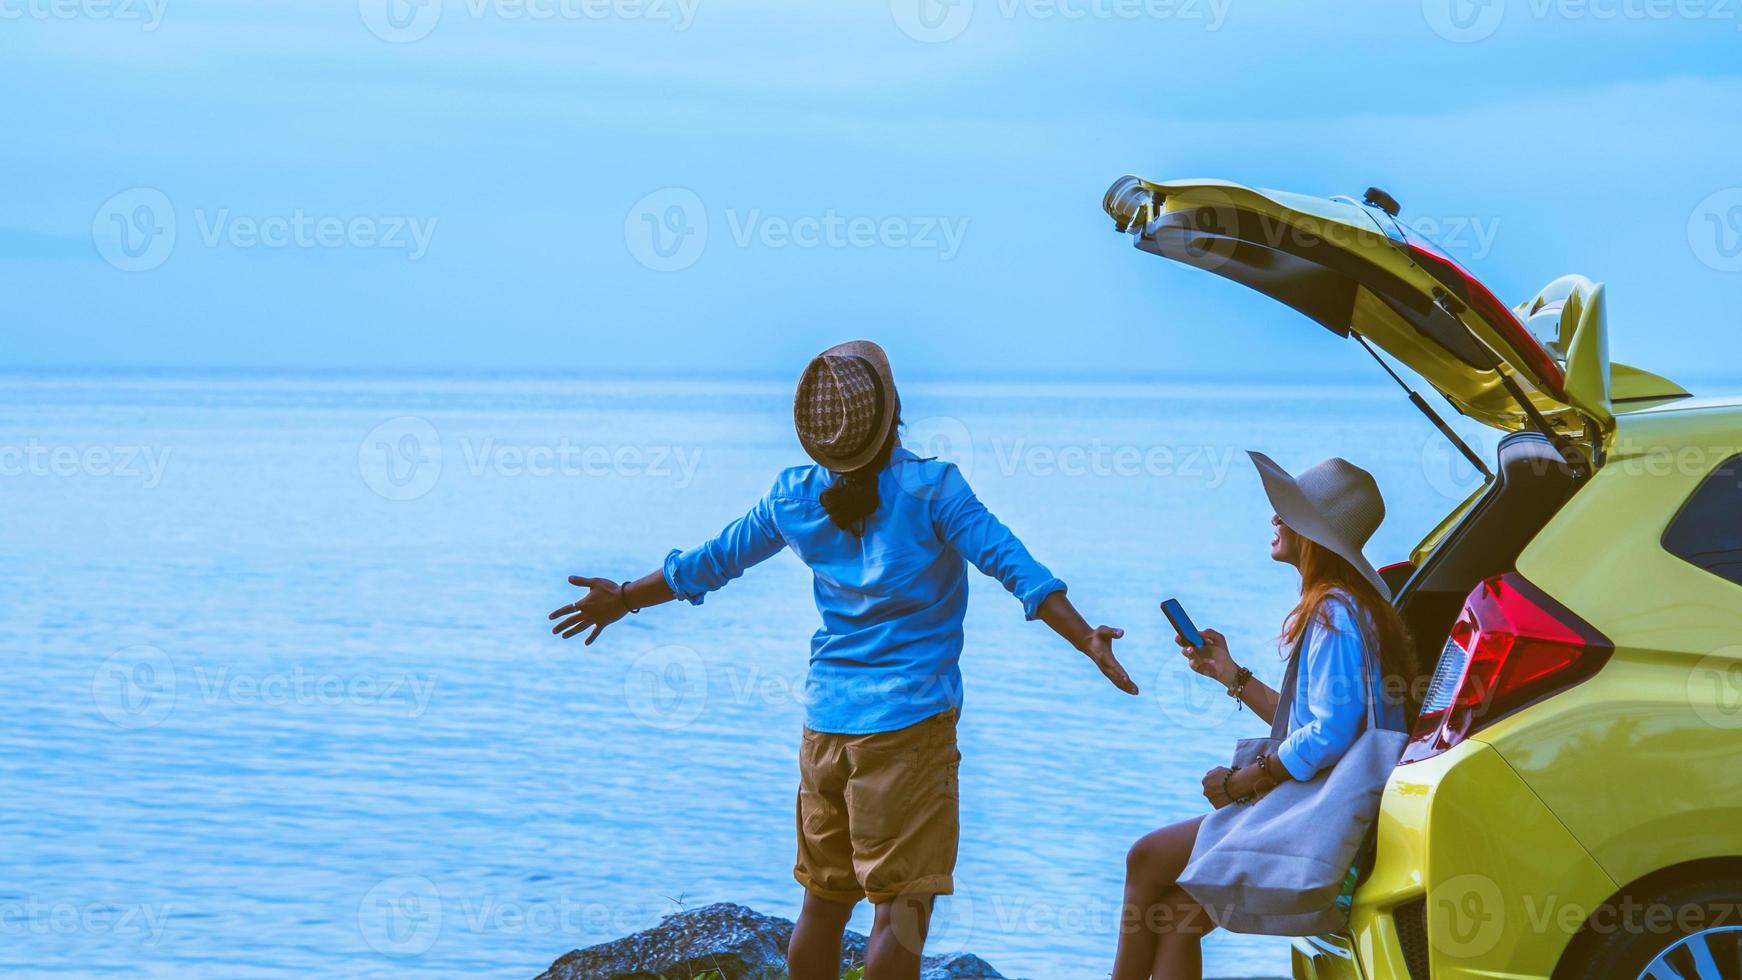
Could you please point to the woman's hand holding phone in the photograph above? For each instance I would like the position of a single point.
(1212, 660)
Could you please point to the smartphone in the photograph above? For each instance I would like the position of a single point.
(1182, 624)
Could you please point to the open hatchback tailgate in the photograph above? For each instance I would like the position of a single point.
(1354, 268)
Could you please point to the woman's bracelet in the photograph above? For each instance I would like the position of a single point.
(1241, 676)
(623, 597)
(1229, 793)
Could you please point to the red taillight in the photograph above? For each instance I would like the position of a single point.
(1511, 645)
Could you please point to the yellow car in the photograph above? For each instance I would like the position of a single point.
(1570, 805)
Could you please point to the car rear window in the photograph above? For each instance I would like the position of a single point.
(1708, 531)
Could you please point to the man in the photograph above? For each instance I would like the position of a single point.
(887, 536)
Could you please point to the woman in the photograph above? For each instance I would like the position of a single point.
(887, 536)
(1344, 619)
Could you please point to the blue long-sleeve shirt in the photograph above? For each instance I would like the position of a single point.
(1329, 708)
(892, 601)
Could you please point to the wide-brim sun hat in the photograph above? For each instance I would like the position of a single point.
(1335, 505)
(845, 405)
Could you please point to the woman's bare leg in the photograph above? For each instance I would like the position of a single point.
(1179, 952)
(1146, 931)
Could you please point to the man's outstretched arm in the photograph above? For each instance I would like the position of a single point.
(607, 601)
(982, 539)
(1096, 643)
(687, 575)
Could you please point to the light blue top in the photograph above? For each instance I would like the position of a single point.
(1329, 708)
(892, 601)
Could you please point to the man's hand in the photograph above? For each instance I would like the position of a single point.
(1098, 646)
(600, 607)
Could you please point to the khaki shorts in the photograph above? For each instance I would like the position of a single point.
(877, 814)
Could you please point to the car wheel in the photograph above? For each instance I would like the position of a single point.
(1678, 932)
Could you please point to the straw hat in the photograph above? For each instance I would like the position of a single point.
(1336, 505)
(845, 405)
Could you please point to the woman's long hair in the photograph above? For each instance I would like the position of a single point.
(852, 498)
(1323, 572)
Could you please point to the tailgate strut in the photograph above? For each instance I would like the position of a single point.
(1427, 410)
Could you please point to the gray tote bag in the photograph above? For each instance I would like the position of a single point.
(1275, 867)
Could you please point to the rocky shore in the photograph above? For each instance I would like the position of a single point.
(729, 942)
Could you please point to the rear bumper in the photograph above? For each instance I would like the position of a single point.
(1474, 878)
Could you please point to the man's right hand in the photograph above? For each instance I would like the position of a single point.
(600, 607)
(1098, 646)
(1212, 660)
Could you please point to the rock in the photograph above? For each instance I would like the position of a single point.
(735, 942)
(958, 966)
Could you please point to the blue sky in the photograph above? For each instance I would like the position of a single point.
(476, 185)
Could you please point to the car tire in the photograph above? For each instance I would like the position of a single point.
(1662, 925)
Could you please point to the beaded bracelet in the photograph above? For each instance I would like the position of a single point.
(1238, 688)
